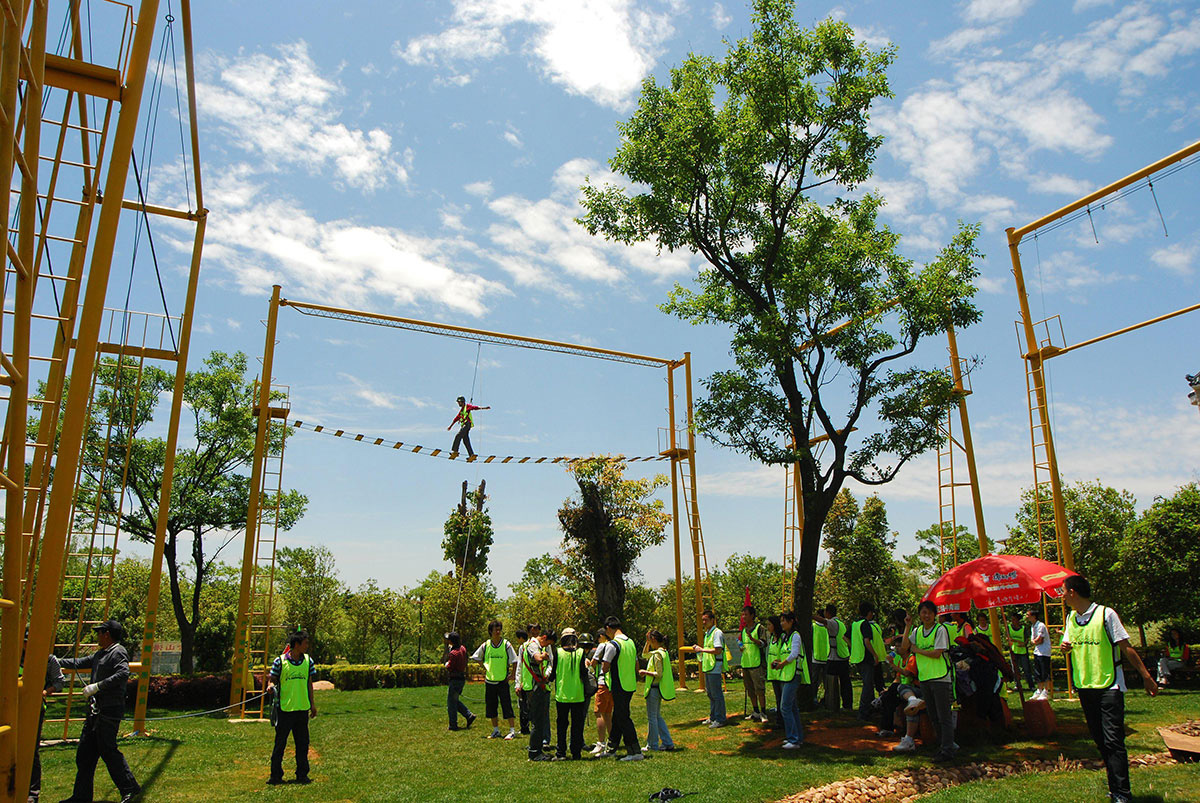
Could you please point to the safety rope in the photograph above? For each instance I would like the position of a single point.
(185, 716)
(486, 459)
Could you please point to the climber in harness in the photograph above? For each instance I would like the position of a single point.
(465, 421)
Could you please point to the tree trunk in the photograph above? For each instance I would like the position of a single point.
(186, 629)
(816, 509)
(1142, 634)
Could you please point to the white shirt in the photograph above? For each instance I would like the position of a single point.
(1039, 629)
(1116, 632)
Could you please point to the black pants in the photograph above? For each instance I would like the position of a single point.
(539, 719)
(572, 714)
(621, 725)
(867, 670)
(839, 673)
(778, 686)
(35, 778)
(454, 703)
(1104, 710)
(463, 437)
(887, 708)
(295, 723)
(99, 741)
(523, 710)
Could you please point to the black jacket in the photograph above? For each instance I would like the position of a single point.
(110, 671)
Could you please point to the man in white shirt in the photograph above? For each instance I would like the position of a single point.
(1039, 637)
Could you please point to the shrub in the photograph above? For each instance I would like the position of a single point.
(353, 677)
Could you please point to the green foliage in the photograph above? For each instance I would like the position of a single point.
(927, 562)
(214, 641)
(352, 677)
(862, 568)
(396, 618)
(723, 161)
(362, 609)
(311, 594)
(469, 554)
(478, 606)
(1160, 560)
(610, 525)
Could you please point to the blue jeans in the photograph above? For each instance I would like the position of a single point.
(792, 730)
(455, 706)
(716, 697)
(658, 725)
(866, 671)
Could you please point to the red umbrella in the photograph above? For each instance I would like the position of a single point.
(997, 580)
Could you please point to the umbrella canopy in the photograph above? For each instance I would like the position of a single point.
(994, 581)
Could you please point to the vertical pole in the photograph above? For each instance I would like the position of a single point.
(972, 472)
(420, 624)
(241, 642)
(50, 561)
(695, 511)
(671, 449)
(168, 479)
(1037, 370)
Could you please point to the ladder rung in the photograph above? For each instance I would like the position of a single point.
(76, 126)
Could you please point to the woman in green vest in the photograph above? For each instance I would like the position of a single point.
(1018, 645)
(930, 642)
(660, 685)
(776, 649)
(793, 670)
(820, 642)
(569, 699)
(753, 643)
(1178, 656)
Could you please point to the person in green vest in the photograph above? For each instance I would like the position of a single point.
(620, 664)
(1178, 656)
(793, 670)
(536, 662)
(837, 664)
(465, 421)
(1098, 648)
(983, 625)
(292, 676)
(930, 642)
(712, 664)
(753, 643)
(660, 685)
(1018, 645)
(820, 641)
(499, 661)
(570, 702)
(775, 651)
(522, 638)
(952, 626)
(866, 652)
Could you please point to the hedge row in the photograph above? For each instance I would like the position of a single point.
(353, 677)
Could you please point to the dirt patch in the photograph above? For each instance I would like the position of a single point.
(908, 785)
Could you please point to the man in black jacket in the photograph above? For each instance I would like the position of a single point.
(106, 708)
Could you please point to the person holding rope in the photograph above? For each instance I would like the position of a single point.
(106, 708)
(292, 675)
(464, 433)
(456, 667)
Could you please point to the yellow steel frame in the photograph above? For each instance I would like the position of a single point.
(1036, 354)
(680, 448)
(38, 515)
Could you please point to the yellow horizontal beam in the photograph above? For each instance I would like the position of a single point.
(1053, 351)
(164, 211)
(83, 77)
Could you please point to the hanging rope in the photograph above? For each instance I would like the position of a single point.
(478, 349)
(462, 568)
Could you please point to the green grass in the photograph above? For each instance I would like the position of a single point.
(389, 745)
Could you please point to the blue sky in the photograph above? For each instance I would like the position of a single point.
(424, 159)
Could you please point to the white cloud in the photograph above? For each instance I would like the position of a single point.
(963, 38)
(993, 10)
(513, 137)
(1067, 271)
(281, 110)
(1059, 184)
(1178, 258)
(260, 240)
(1084, 5)
(600, 49)
(378, 398)
(720, 19)
(539, 241)
(480, 188)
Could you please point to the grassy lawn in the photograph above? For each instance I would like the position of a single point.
(389, 745)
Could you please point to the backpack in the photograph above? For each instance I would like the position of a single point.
(590, 681)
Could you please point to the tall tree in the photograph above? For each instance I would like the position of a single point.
(396, 620)
(927, 560)
(471, 518)
(311, 593)
(210, 492)
(610, 525)
(862, 565)
(363, 608)
(1160, 560)
(724, 161)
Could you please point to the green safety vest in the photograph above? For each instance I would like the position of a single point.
(1175, 653)
(788, 672)
(820, 642)
(840, 641)
(774, 653)
(858, 650)
(526, 676)
(666, 684)
(1016, 636)
(953, 630)
(1093, 655)
(568, 680)
(751, 654)
(293, 685)
(599, 668)
(464, 417)
(626, 664)
(930, 668)
(708, 661)
(495, 659)
(984, 630)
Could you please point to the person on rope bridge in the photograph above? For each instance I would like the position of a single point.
(464, 420)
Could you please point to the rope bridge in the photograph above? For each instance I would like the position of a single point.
(448, 455)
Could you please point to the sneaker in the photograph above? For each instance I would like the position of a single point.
(668, 748)
(606, 753)
(791, 745)
(887, 734)
(540, 757)
(509, 737)
(762, 718)
(942, 758)
(597, 749)
(453, 728)
(907, 745)
(270, 782)
(706, 721)
(495, 734)
(751, 717)
(632, 757)
(914, 705)
(716, 724)
(470, 720)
